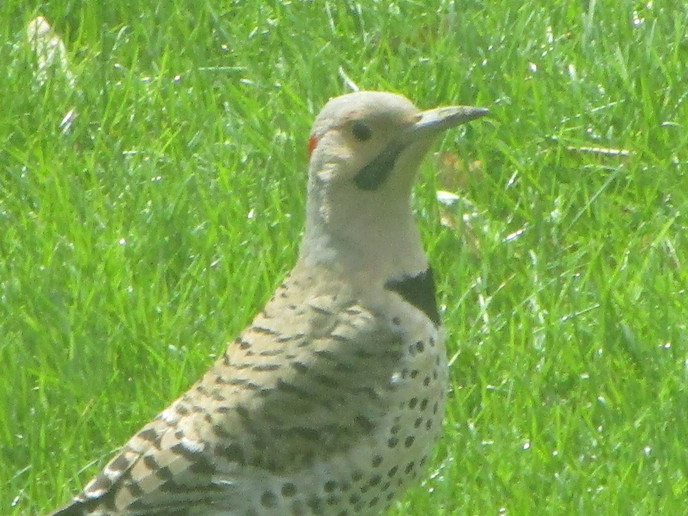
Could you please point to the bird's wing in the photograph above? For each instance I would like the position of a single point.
(303, 382)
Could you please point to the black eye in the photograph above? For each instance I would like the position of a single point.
(361, 131)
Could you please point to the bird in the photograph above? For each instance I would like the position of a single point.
(331, 401)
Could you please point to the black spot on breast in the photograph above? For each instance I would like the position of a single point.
(418, 291)
(288, 489)
(375, 173)
(315, 503)
(268, 499)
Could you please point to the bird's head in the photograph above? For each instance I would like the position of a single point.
(365, 148)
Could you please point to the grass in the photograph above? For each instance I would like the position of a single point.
(135, 244)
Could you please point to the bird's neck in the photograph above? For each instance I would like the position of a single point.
(367, 247)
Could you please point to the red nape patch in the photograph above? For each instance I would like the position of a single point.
(312, 144)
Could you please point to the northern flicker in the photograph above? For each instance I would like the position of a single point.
(330, 402)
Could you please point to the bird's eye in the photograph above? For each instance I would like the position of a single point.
(361, 131)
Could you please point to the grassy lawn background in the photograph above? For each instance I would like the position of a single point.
(139, 241)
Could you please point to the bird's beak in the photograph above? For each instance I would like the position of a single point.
(427, 124)
(436, 120)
